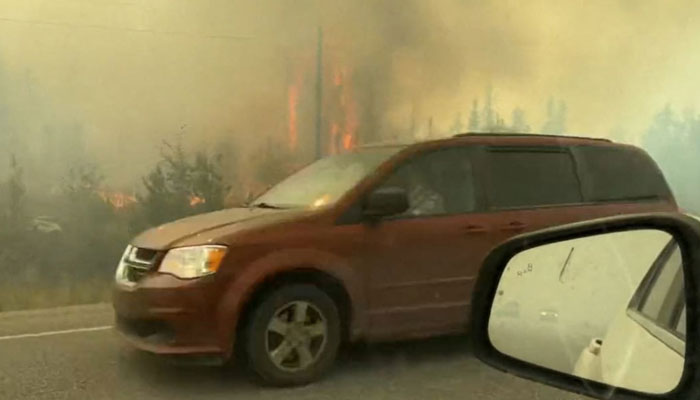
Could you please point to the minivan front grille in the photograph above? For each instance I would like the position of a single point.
(145, 254)
(137, 263)
(134, 273)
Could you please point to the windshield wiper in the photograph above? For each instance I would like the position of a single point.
(265, 205)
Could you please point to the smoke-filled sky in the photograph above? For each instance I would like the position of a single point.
(125, 74)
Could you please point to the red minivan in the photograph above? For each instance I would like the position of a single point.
(381, 243)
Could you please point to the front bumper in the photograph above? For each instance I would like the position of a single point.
(165, 315)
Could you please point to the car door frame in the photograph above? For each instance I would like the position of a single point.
(651, 323)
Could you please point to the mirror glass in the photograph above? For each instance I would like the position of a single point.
(610, 308)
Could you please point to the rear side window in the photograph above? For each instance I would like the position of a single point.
(619, 173)
(531, 178)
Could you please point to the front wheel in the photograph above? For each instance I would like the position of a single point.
(293, 335)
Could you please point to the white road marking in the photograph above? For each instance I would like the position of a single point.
(53, 333)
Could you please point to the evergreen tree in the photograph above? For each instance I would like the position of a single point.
(489, 116)
(499, 124)
(548, 126)
(674, 141)
(662, 137)
(555, 122)
(159, 204)
(474, 123)
(179, 186)
(82, 180)
(207, 183)
(518, 121)
(16, 195)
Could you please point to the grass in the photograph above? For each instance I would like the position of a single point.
(34, 296)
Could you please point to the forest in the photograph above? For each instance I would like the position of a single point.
(60, 245)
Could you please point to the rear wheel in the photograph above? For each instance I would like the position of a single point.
(293, 335)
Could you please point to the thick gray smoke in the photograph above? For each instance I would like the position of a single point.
(106, 81)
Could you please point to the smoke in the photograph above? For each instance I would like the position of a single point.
(106, 81)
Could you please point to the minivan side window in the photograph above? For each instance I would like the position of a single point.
(523, 178)
(440, 182)
(618, 173)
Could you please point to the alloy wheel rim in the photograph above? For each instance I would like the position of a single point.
(296, 336)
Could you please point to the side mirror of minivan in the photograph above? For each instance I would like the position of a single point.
(385, 201)
(605, 308)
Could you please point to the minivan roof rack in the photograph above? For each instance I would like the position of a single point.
(528, 135)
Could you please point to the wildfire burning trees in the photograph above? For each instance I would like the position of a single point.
(293, 112)
(121, 200)
(196, 200)
(343, 111)
(118, 200)
(339, 115)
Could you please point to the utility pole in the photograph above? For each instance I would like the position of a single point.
(319, 92)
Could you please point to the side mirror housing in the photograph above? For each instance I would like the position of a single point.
(607, 308)
(385, 201)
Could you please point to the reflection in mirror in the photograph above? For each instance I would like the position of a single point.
(610, 308)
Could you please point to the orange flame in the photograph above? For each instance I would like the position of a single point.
(340, 108)
(293, 104)
(196, 200)
(338, 76)
(117, 200)
(351, 124)
(348, 108)
(347, 141)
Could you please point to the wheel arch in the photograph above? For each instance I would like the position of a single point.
(339, 281)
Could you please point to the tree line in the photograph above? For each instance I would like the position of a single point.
(485, 117)
(69, 255)
(673, 140)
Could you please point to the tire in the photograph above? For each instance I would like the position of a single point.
(293, 335)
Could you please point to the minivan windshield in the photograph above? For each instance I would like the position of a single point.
(326, 180)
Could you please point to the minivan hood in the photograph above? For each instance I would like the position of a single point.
(170, 234)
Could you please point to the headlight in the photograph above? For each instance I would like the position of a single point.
(192, 262)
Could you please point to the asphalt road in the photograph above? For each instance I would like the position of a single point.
(72, 353)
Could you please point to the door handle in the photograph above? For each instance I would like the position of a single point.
(474, 229)
(514, 226)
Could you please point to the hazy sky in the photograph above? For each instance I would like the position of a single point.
(132, 72)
